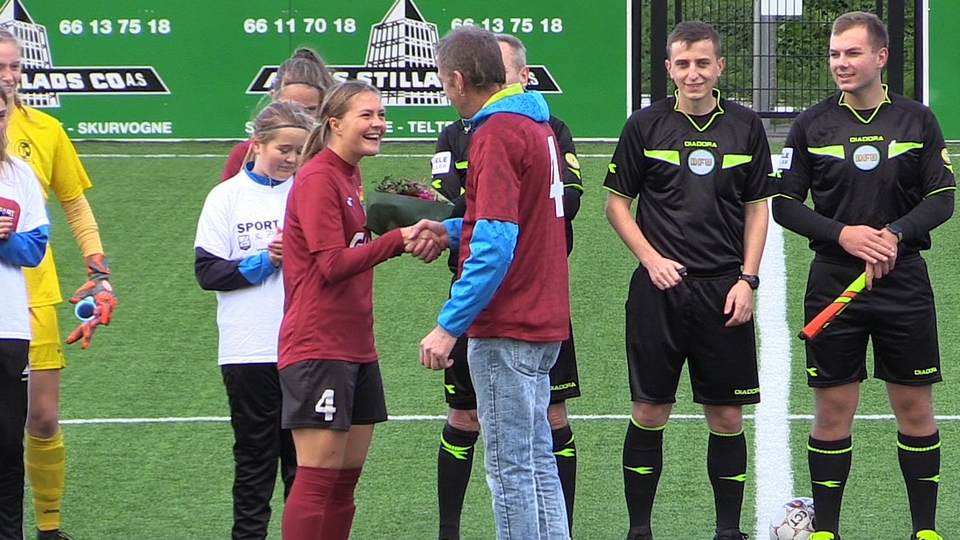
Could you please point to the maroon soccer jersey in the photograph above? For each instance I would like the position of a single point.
(514, 176)
(235, 160)
(328, 261)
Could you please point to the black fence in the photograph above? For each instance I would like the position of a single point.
(776, 58)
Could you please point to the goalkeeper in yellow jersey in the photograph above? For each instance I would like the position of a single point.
(38, 139)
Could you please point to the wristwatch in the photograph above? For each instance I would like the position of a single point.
(752, 280)
(897, 230)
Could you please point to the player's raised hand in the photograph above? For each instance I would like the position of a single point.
(423, 243)
(98, 287)
(867, 243)
(435, 227)
(739, 304)
(664, 273)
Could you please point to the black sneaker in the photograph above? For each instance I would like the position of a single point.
(730, 534)
(55, 534)
(640, 533)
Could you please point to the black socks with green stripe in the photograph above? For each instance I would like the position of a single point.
(829, 463)
(920, 464)
(727, 469)
(454, 465)
(642, 463)
(565, 452)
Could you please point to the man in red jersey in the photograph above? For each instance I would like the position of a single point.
(512, 295)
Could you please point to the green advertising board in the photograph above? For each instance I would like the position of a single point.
(943, 73)
(189, 69)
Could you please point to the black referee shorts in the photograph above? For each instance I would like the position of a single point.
(898, 314)
(458, 389)
(686, 323)
(332, 394)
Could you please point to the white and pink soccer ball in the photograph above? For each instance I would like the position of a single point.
(793, 520)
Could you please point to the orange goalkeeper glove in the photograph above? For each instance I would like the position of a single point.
(98, 287)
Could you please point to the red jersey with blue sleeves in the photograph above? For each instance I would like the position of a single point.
(513, 275)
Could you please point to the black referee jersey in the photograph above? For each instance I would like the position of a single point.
(692, 177)
(450, 170)
(875, 167)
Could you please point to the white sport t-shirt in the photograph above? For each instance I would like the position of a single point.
(20, 197)
(239, 218)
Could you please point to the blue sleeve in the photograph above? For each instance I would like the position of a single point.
(491, 252)
(454, 226)
(25, 248)
(257, 268)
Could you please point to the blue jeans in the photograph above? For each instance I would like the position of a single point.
(512, 383)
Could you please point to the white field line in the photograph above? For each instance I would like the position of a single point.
(432, 418)
(772, 460)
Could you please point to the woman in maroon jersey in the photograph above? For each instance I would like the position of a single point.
(329, 375)
(303, 78)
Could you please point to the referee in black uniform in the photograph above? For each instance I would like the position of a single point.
(455, 458)
(700, 169)
(876, 166)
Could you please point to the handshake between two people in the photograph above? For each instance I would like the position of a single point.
(425, 240)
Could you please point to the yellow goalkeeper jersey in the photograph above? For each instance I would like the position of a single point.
(39, 139)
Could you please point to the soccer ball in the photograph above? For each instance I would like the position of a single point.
(793, 520)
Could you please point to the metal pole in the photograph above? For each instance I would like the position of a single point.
(895, 64)
(919, 27)
(636, 45)
(757, 37)
(658, 49)
(764, 60)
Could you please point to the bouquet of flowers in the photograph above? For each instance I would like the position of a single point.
(402, 202)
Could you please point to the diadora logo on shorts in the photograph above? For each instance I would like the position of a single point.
(42, 83)
(746, 391)
(928, 371)
(401, 62)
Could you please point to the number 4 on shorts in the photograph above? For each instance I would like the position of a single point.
(326, 406)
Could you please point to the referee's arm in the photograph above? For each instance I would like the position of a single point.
(756, 218)
(662, 271)
(937, 182)
(620, 217)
